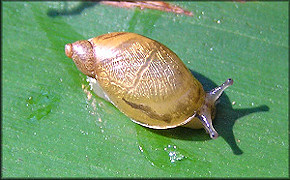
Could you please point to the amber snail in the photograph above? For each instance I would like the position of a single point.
(146, 81)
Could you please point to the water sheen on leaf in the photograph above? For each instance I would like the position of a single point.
(51, 129)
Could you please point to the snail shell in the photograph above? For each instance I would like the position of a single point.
(146, 81)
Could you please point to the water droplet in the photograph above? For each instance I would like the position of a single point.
(40, 105)
(83, 132)
(140, 148)
(174, 154)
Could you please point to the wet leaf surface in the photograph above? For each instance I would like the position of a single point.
(52, 128)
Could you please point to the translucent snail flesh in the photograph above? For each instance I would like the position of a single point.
(146, 81)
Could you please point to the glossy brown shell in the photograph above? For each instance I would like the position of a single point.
(146, 80)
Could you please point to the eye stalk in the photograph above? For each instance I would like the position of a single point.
(205, 115)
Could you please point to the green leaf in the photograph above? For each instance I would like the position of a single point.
(54, 127)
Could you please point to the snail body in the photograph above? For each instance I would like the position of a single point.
(146, 81)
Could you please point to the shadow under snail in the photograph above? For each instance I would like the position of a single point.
(146, 81)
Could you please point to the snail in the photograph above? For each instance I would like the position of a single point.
(146, 81)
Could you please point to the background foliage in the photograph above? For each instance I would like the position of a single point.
(51, 127)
